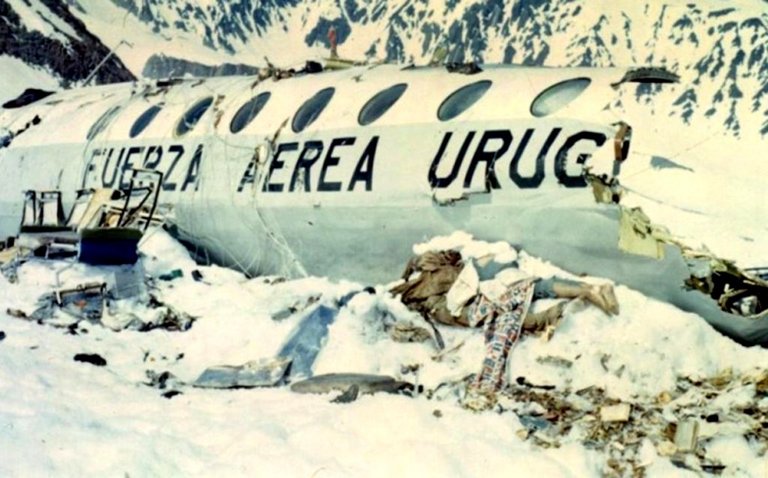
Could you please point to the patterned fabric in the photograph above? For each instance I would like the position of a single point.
(503, 324)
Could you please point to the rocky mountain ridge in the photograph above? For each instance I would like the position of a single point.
(719, 50)
(45, 34)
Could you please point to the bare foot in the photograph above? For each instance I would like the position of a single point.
(602, 297)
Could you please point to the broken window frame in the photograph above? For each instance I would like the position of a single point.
(561, 94)
(462, 99)
(248, 112)
(380, 103)
(311, 109)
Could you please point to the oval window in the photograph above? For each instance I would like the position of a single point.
(102, 122)
(248, 112)
(143, 121)
(311, 109)
(193, 115)
(460, 100)
(380, 104)
(558, 95)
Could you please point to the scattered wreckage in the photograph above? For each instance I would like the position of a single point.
(103, 228)
(733, 300)
(680, 423)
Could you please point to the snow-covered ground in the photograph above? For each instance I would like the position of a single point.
(23, 77)
(60, 417)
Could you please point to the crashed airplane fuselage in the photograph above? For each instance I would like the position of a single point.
(338, 173)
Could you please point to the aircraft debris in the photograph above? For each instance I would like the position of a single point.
(19, 314)
(257, 373)
(171, 275)
(96, 303)
(297, 306)
(93, 359)
(349, 396)
(444, 288)
(605, 190)
(551, 416)
(470, 68)
(615, 413)
(741, 292)
(304, 344)
(7, 136)
(10, 260)
(686, 435)
(342, 382)
(293, 361)
(103, 227)
(163, 381)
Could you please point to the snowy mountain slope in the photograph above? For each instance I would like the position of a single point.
(719, 50)
(23, 77)
(113, 24)
(51, 41)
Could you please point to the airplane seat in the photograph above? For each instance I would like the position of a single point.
(79, 207)
(42, 212)
(123, 216)
(29, 211)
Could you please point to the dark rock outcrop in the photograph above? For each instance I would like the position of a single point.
(70, 58)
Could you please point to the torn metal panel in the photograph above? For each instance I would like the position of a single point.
(736, 291)
(648, 75)
(83, 302)
(366, 383)
(257, 373)
(605, 190)
(637, 235)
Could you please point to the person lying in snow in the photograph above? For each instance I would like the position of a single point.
(443, 288)
(431, 277)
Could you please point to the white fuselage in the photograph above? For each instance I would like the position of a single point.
(339, 198)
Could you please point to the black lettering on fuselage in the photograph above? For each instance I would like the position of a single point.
(364, 169)
(249, 176)
(308, 156)
(331, 161)
(128, 165)
(491, 154)
(193, 170)
(489, 157)
(158, 152)
(92, 166)
(560, 172)
(438, 182)
(113, 177)
(276, 164)
(178, 150)
(538, 176)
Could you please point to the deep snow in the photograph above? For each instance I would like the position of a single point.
(65, 418)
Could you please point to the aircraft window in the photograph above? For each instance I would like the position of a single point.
(248, 112)
(311, 109)
(193, 115)
(380, 104)
(558, 95)
(460, 100)
(143, 121)
(102, 122)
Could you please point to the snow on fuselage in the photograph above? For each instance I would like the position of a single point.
(333, 189)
